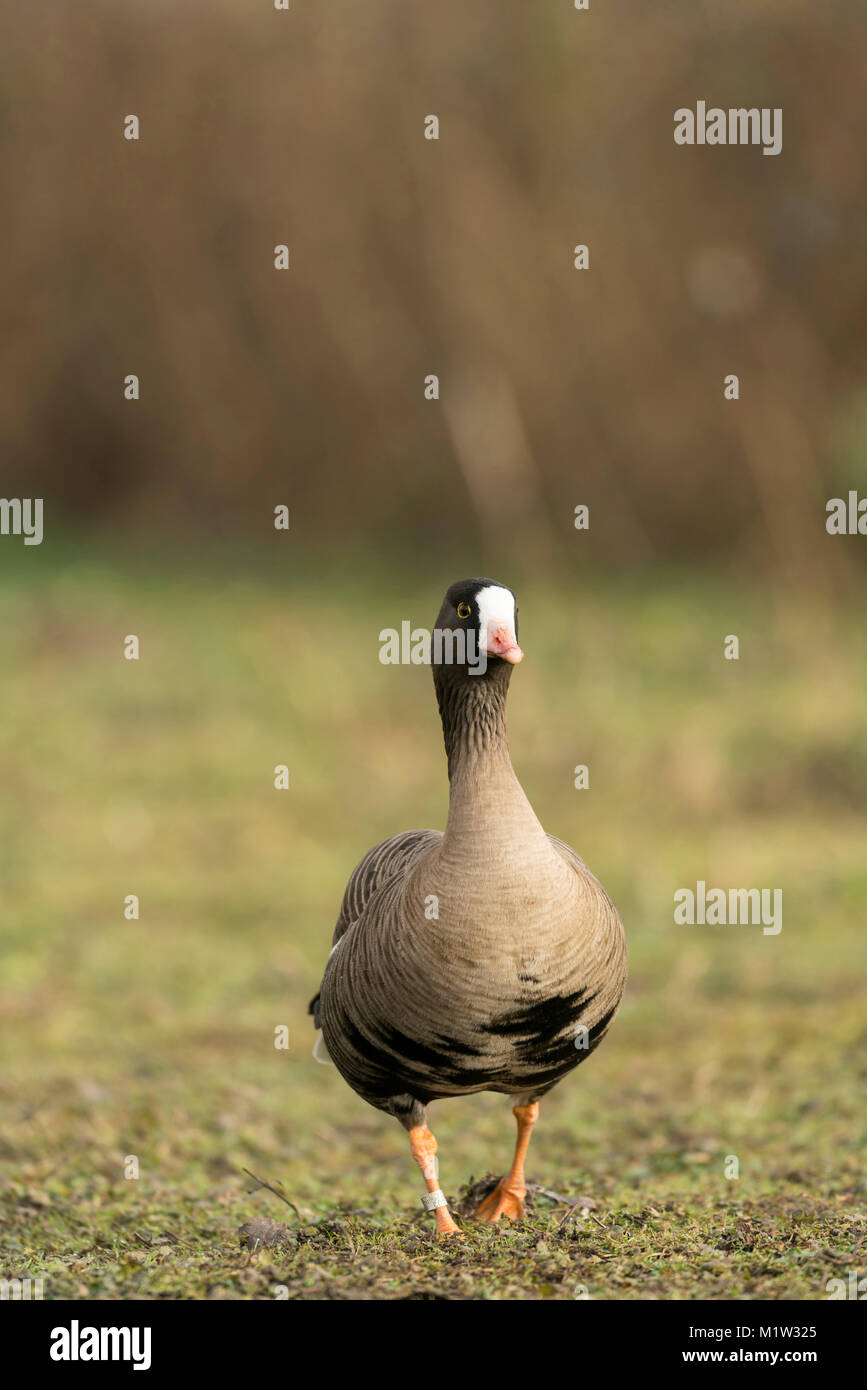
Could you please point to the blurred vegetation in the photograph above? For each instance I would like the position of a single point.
(410, 257)
(155, 1037)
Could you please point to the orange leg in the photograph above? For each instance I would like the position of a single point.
(507, 1198)
(424, 1149)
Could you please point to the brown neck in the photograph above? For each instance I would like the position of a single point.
(490, 823)
(473, 714)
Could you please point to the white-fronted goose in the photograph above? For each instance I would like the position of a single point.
(485, 958)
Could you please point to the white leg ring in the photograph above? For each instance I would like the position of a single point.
(431, 1200)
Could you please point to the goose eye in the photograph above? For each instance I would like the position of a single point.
(464, 610)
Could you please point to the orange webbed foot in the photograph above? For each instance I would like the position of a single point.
(507, 1198)
(453, 1233)
(503, 1201)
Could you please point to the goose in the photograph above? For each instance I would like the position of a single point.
(483, 958)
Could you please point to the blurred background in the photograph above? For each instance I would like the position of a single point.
(411, 257)
(558, 387)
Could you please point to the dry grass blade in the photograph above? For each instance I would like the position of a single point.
(276, 1191)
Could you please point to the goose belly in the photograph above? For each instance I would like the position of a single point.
(506, 1020)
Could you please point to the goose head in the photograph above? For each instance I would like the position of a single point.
(475, 649)
(478, 628)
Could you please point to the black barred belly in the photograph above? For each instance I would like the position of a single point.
(528, 1049)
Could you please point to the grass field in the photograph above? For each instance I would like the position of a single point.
(155, 1038)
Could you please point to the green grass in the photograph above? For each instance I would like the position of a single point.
(155, 1038)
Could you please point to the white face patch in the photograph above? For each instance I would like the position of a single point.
(496, 608)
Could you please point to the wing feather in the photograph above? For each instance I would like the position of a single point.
(396, 855)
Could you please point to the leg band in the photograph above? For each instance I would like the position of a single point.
(431, 1200)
